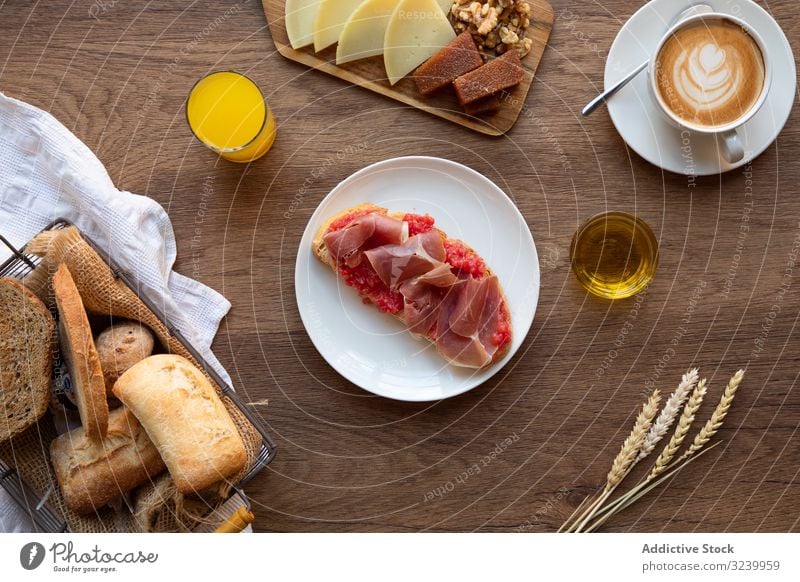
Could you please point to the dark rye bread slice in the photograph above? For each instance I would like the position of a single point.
(26, 358)
(80, 355)
(320, 251)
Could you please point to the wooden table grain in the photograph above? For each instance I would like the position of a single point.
(726, 294)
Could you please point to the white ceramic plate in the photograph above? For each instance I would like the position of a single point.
(372, 349)
(642, 125)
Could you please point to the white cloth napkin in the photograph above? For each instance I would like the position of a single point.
(47, 173)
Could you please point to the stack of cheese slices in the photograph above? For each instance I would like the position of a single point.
(405, 32)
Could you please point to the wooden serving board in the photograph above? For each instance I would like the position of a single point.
(370, 73)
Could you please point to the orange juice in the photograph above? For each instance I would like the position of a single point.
(228, 113)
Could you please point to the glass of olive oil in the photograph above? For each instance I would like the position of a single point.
(614, 255)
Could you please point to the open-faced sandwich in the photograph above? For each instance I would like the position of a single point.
(438, 286)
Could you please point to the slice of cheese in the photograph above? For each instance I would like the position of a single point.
(364, 33)
(417, 30)
(300, 16)
(445, 5)
(331, 18)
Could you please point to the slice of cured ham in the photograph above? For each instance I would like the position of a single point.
(417, 270)
(422, 297)
(466, 318)
(369, 231)
(490, 318)
(460, 350)
(467, 322)
(397, 264)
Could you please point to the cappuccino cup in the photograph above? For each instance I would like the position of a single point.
(711, 74)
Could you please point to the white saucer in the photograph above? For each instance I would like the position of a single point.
(372, 349)
(642, 125)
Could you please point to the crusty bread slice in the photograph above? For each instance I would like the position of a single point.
(80, 355)
(320, 251)
(26, 358)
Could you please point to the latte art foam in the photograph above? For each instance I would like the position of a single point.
(710, 73)
(707, 77)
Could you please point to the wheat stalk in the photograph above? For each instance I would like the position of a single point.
(717, 417)
(565, 525)
(668, 414)
(670, 449)
(664, 462)
(681, 430)
(642, 489)
(633, 444)
(624, 460)
(645, 435)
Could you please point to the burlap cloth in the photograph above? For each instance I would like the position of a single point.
(154, 507)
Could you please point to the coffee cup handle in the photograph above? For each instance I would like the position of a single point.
(731, 145)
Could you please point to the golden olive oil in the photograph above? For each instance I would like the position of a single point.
(614, 255)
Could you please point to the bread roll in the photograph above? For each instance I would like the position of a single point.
(80, 355)
(121, 346)
(185, 418)
(91, 472)
(26, 358)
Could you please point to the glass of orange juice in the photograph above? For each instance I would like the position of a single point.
(228, 113)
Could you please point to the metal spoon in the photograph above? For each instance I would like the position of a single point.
(608, 93)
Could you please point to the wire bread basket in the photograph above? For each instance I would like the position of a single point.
(43, 514)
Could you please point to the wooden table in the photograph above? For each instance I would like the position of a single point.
(117, 74)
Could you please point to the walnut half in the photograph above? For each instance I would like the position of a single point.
(496, 25)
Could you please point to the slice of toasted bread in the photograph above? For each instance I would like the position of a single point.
(80, 355)
(320, 251)
(26, 358)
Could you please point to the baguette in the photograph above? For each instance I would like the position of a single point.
(80, 355)
(322, 252)
(26, 359)
(91, 472)
(186, 420)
